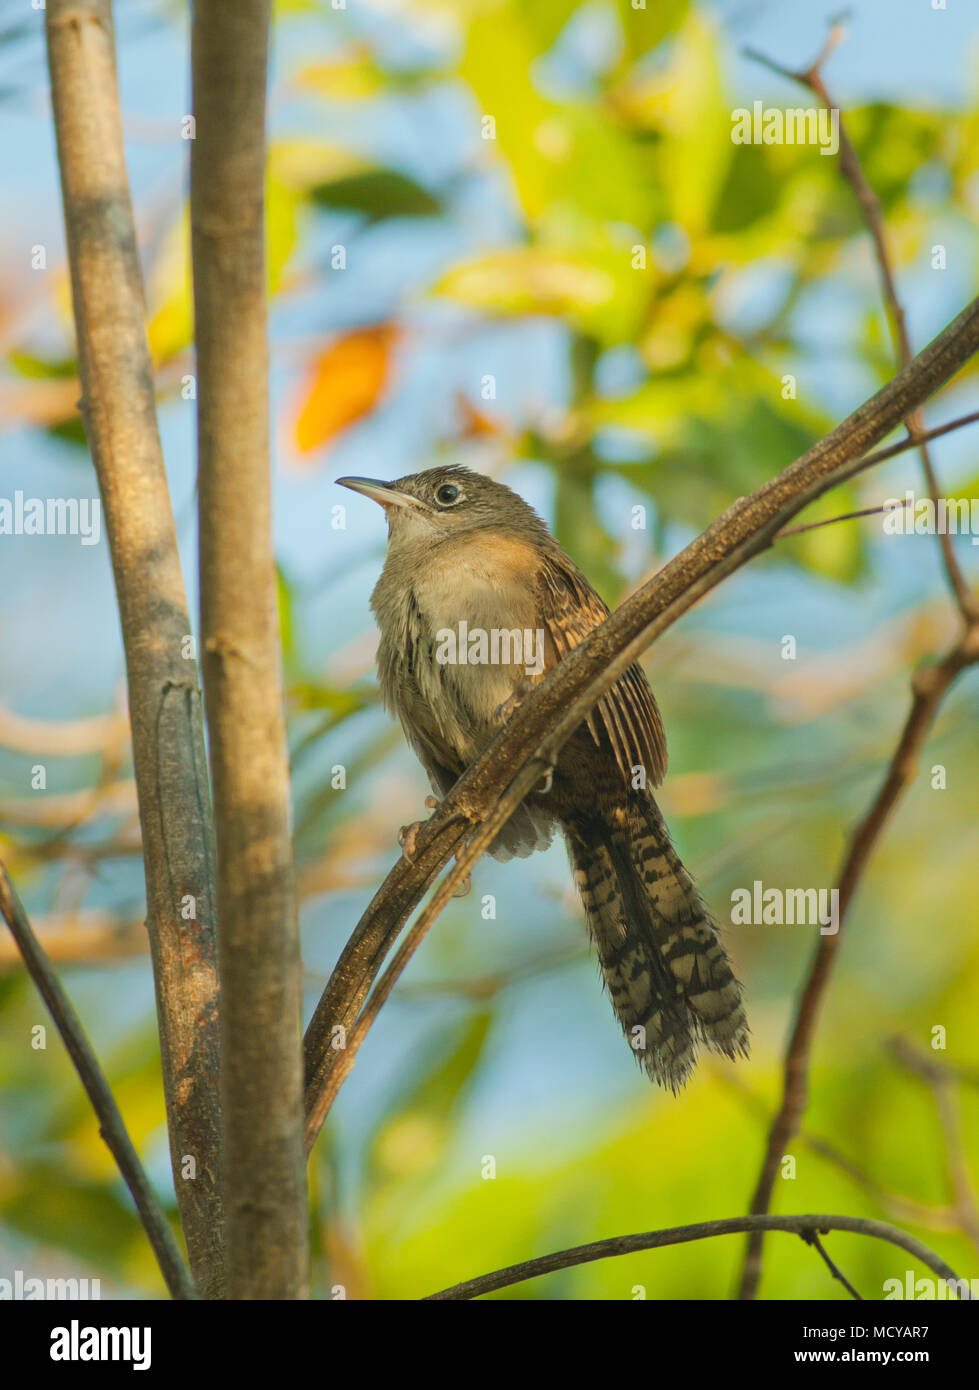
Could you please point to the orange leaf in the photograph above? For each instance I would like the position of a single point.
(473, 421)
(347, 380)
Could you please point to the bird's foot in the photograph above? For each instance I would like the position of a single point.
(503, 712)
(408, 834)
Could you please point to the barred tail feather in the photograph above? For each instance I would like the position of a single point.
(667, 973)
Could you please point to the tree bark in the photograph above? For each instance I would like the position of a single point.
(264, 1166)
(119, 410)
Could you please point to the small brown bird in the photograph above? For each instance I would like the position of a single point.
(476, 602)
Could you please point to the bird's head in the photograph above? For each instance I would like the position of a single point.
(441, 501)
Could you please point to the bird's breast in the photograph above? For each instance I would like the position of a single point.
(487, 581)
(466, 635)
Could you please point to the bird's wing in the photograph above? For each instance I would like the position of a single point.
(628, 715)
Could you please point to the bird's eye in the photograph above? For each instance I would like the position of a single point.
(447, 494)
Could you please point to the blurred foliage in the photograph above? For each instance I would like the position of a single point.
(488, 176)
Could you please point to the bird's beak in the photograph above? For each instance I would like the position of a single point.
(386, 494)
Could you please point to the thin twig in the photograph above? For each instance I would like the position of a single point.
(812, 1238)
(852, 171)
(830, 521)
(892, 450)
(929, 688)
(112, 1127)
(802, 1226)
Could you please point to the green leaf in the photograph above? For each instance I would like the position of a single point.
(644, 29)
(378, 193)
(563, 158)
(590, 283)
(38, 369)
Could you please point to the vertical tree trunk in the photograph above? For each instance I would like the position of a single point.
(264, 1170)
(164, 701)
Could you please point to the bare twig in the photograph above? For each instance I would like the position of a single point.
(558, 705)
(852, 171)
(111, 1124)
(263, 1168)
(812, 1238)
(929, 689)
(803, 1226)
(830, 521)
(902, 445)
(168, 747)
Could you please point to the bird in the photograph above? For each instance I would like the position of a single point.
(475, 603)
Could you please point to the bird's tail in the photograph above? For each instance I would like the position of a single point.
(668, 975)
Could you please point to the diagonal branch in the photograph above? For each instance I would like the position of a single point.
(112, 1127)
(807, 1227)
(548, 716)
(119, 410)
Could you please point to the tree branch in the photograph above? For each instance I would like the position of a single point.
(264, 1170)
(805, 1227)
(168, 748)
(548, 716)
(929, 689)
(930, 686)
(112, 1127)
(852, 171)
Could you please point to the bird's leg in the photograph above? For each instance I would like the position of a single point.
(408, 834)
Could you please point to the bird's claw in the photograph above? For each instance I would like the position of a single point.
(502, 712)
(408, 834)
